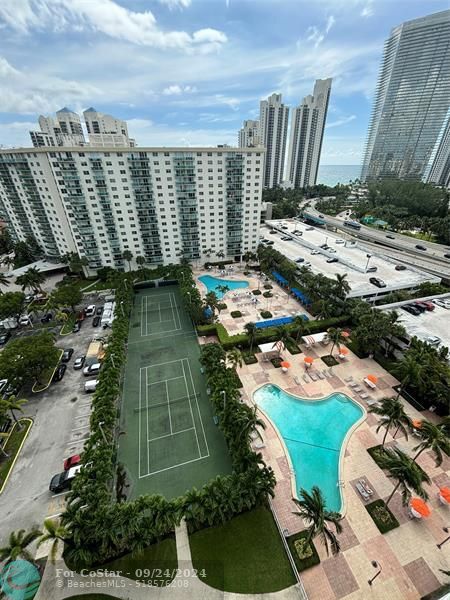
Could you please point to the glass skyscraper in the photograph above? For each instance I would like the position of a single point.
(412, 100)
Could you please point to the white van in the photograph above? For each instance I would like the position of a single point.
(91, 386)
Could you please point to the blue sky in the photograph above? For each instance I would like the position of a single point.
(188, 72)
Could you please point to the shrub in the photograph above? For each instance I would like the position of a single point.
(236, 314)
(268, 295)
(267, 286)
(304, 554)
(222, 306)
(249, 359)
(276, 361)
(265, 314)
(247, 273)
(330, 361)
(292, 347)
(256, 292)
(382, 516)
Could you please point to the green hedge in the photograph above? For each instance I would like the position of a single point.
(304, 555)
(266, 314)
(382, 516)
(249, 359)
(236, 314)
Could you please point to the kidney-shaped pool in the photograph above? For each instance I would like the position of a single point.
(313, 432)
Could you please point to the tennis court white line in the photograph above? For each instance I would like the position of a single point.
(139, 438)
(144, 340)
(146, 400)
(173, 467)
(178, 313)
(190, 408)
(170, 434)
(168, 408)
(198, 408)
(174, 307)
(162, 380)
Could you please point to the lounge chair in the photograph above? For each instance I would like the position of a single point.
(363, 395)
(296, 380)
(353, 384)
(362, 491)
(320, 375)
(357, 389)
(363, 482)
(348, 379)
(372, 402)
(259, 444)
(327, 373)
(313, 376)
(306, 378)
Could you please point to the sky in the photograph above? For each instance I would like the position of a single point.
(188, 72)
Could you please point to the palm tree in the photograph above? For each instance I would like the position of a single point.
(3, 281)
(55, 532)
(392, 415)
(8, 261)
(336, 336)
(247, 421)
(301, 327)
(212, 301)
(128, 256)
(32, 279)
(406, 472)
(322, 309)
(435, 439)
(12, 404)
(18, 543)
(313, 510)
(220, 254)
(223, 289)
(234, 357)
(283, 335)
(250, 329)
(342, 286)
(409, 371)
(140, 261)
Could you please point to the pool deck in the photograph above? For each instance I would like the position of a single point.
(410, 560)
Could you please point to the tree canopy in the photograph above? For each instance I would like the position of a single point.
(25, 359)
(11, 304)
(66, 295)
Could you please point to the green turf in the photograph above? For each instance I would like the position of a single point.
(12, 448)
(93, 597)
(164, 400)
(155, 566)
(246, 555)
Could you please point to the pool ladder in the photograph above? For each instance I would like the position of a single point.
(340, 483)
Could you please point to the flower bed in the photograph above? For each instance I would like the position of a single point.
(256, 292)
(382, 516)
(305, 555)
(268, 295)
(276, 361)
(249, 358)
(330, 361)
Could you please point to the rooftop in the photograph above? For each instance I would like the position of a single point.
(353, 258)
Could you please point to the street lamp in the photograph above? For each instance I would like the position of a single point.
(121, 308)
(369, 256)
(375, 565)
(224, 395)
(447, 530)
(112, 360)
(102, 432)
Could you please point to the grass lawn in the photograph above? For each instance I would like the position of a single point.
(66, 329)
(12, 447)
(246, 555)
(46, 377)
(159, 561)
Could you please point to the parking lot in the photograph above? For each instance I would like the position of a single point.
(353, 258)
(61, 424)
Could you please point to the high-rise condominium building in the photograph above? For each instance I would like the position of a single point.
(307, 127)
(65, 129)
(160, 203)
(249, 134)
(439, 171)
(412, 100)
(273, 121)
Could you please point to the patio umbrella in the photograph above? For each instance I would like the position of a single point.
(285, 364)
(416, 423)
(444, 495)
(419, 508)
(372, 378)
(308, 360)
(343, 351)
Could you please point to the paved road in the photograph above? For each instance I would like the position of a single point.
(60, 416)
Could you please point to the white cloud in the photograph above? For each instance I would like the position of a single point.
(148, 133)
(176, 3)
(103, 16)
(367, 10)
(7, 70)
(330, 22)
(342, 121)
(316, 35)
(11, 134)
(176, 90)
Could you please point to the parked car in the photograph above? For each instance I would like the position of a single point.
(418, 306)
(324, 246)
(426, 304)
(79, 362)
(446, 255)
(76, 328)
(340, 241)
(26, 320)
(72, 461)
(28, 298)
(91, 385)
(284, 227)
(298, 233)
(400, 268)
(332, 260)
(99, 310)
(272, 231)
(321, 217)
(433, 340)
(92, 369)
(59, 373)
(47, 318)
(270, 243)
(378, 282)
(299, 260)
(391, 237)
(12, 389)
(413, 310)
(63, 481)
(313, 252)
(67, 355)
(332, 250)
(372, 269)
(90, 310)
(96, 321)
(285, 238)
(441, 303)
(420, 247)
(4, 337)
(309, 228)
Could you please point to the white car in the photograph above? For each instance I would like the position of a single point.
(441, 303)
(26, 320)
(315, 252)
(92, 369)
(340, 241)
(90, 310)
(91, 385)
(332, 250)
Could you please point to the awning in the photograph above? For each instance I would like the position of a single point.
(300, 296)
(280, 278)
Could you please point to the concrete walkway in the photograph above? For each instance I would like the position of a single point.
(59, 583)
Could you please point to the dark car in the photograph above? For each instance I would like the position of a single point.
(271, 231)
(378, 282)
(270, 243)
(391, 237)
(79, 362)
(99, 310)
(446, 255)
(324, 246)
(411, 309)
(421, 306)
(59, 373)
(400, 268)
(321, 217)
(285, 238)
(96, 321)
(12, 390)
(47, 318)
(76, 327)
(332, 260)
(419, 247)
(67, 355)
(4, 337)
(63, 481)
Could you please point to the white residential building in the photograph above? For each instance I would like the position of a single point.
(248, 136)
(106, 130)
(273, 120)
(307, 127)
(160, 203)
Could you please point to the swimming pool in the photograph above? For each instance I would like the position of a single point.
(212, 283)
(313, 432)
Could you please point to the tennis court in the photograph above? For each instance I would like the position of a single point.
(170, 442)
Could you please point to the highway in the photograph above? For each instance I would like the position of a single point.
(401, 247)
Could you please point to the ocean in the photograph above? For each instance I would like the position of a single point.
(333, 174)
